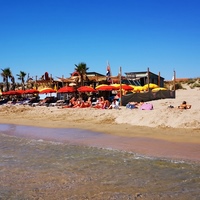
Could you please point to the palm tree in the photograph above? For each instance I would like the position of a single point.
(6, 74)
(12, 83)
(21, 76)
(81, 68)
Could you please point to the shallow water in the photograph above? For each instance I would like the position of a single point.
(37, 169)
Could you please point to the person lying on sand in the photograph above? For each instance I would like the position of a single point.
(133, 104)
(101, 103)
(184, 105)
(86, 104)
(72, 103)
(114, 104)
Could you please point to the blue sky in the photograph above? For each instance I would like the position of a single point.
(38, 36)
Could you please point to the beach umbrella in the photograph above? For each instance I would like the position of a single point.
(138, 88)
(21, 91)
(47, 90)
(11, 92)
(86, 89)
(66, 89)
(127, 87)
(31, 91)
(106, 88)
(115, 85)
(150, 85)
(158, 89)
(100, 86)
(124, 86)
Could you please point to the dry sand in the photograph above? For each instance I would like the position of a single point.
(167, 124)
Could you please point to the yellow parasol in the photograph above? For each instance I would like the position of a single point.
(138, 88)
(158, 89)
(150, 85)
(98, 86)
(47, 90)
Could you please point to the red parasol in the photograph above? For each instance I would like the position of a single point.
(11, 92)
(20, 91)
(66, 89)
(86, 89)
(125, 87)
(31, 91)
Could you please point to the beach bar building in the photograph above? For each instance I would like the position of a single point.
(142, 78)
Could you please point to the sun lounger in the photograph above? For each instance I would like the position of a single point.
(58, 103)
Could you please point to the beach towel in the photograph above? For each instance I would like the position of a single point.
(147, 106)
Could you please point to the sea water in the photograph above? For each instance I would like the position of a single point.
(32, 167)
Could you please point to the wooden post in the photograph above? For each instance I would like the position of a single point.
(62, 80)
(36, 87)
(158, 79)
(148, 78)
(174, 81)
(120, 82)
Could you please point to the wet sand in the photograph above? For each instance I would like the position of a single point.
(139, 145)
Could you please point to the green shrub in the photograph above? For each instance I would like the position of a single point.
(195, 85)
(191, 81)
(177, 86)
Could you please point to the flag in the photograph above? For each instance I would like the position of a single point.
(108, 72)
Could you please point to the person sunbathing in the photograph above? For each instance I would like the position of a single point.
(86, 104)
(132, 105)
(100, 103)
(184, 105)
(72, 103)
(43, 102)
(106, 104)
(78, 103)
(114, 104)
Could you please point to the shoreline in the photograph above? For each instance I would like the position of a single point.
(125, 130)
(104, 121)
(181, 144)
(142, 146)
(162, 124)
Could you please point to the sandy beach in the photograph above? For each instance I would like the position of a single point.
(86, 153)
(163, 123)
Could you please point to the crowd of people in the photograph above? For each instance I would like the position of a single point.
(94, 102)
(84, 101)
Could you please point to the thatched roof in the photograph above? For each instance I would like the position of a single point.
(45, 81)
(72, 79)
